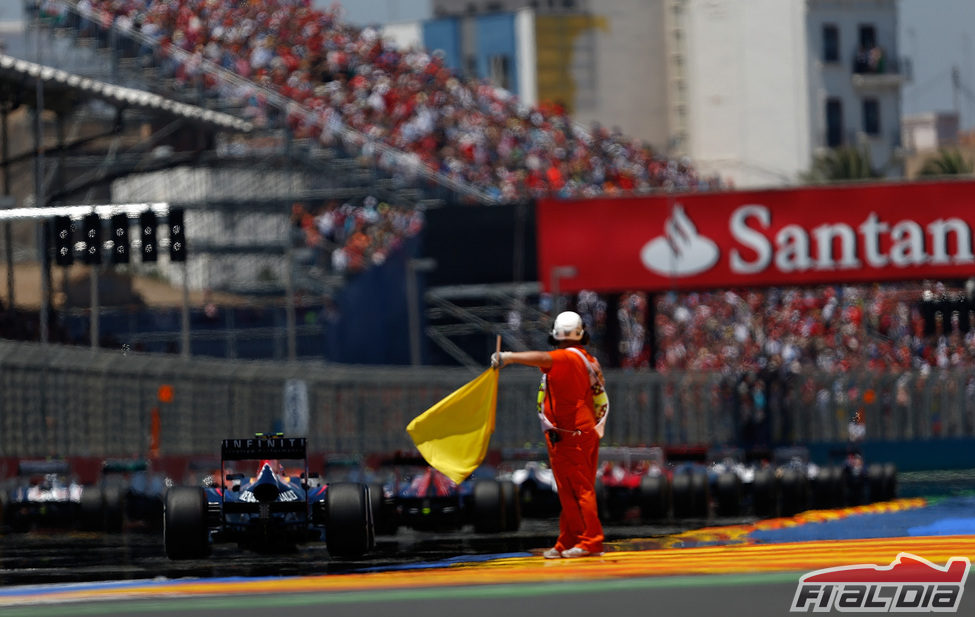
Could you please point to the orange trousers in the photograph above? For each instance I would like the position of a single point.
(574, 460)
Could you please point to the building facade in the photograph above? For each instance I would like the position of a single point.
(751, 91)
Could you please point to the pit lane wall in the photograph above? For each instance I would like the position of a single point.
(77, 402)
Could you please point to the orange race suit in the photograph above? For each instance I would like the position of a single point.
(574, 456)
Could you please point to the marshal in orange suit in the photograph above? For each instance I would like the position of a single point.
(572, 431)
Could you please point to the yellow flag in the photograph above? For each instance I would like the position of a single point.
(453, 435)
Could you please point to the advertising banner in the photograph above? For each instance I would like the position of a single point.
(804, 236)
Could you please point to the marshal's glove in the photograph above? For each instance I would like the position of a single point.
(499, 359)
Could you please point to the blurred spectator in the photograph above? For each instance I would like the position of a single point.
(347, 238)
(830, 328)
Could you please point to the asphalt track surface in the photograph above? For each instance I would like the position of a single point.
(740, 568)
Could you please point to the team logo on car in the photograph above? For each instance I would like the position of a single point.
(681, 251)
(909, 583)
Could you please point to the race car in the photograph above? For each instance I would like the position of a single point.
(633, 484)
(847, 480)
(128, 495)
(270, 510)
(44, 494)
(426, 499)
(534, 483)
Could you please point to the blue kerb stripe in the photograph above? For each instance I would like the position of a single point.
(27, 590)
(444, 562)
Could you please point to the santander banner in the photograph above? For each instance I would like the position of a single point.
(807, 236)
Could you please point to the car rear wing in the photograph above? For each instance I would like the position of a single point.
(684, 454)
(114, 465)
(255, 448)
(40, 467)
(629, 456)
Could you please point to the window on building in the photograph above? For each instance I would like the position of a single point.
(831, 43)
(834, 123)
(869, 56)
(871, 116)
(500, 71)
(868, 36)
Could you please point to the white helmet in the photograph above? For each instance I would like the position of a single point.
(568, 327)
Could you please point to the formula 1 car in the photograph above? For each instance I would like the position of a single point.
(534, 483)
(426, 499)
(44, 494)
(270, 510)
(633, 484)
(850, 482)
(128, 494)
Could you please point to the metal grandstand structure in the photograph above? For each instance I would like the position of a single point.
(246, 167)
(236, 175)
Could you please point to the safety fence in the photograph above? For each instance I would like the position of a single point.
(71, 401)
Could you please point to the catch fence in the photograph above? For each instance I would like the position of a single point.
(72, 401)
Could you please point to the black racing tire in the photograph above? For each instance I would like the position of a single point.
(488, 508)
(185, 532)
(91, 509)
(828, 488)
(113, 498)
(349, 527)
(765, 494)
(683, 495)
(691, 493)
(17, 520)
(602, 500)
(538, 501)
(727, 494)
(875, 483)
(794, 491)
(702, 492)
(839, 487)
(383, 518)
(512, 505)
(654, 497)
(890, 481)
(855, 486)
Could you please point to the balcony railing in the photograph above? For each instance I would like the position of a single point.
(875, 68)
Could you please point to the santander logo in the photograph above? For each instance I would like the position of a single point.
(755, 246)
(681, 251)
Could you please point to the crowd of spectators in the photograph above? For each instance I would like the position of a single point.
(348, 237)
(831, 328)
(339, 77)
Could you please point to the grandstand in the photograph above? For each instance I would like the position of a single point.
(343, 202)
(331, 136)
(351, 145)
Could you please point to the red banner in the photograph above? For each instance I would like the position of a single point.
(812, 235)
